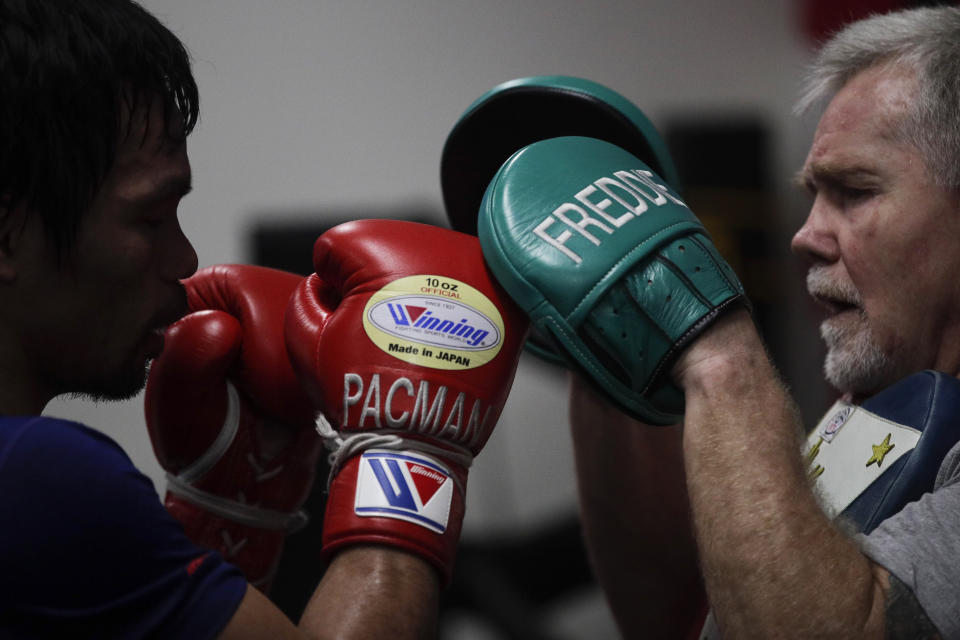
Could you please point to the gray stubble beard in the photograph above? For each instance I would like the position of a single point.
(855, 362)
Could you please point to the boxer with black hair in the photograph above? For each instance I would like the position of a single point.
(97, 101)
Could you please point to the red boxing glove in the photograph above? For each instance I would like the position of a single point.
(409, 348)
(229, 421)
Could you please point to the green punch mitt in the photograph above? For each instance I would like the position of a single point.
(607, 260)
(522, 111)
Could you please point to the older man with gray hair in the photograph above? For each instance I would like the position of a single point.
(721, 510)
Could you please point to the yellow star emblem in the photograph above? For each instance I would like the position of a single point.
(880, 451)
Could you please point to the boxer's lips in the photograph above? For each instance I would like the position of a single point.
(154, 338)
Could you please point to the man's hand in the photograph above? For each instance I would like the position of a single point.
(409, 349)
(610, 262)
(229, 421)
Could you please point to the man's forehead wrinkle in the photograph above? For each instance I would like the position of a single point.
(835, 171)
(890, 128)
(888, 92)
(839, 170)
(848, 147)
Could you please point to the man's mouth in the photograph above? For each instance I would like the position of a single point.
(153, 342)
(835, 295)
(155, 335)
(835, 306)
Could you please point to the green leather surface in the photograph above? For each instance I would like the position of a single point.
(622, 285)
(595, 92)
(522, 111)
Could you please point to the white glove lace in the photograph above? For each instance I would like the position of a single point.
(182, 484)
(343, 447)
(239, 512)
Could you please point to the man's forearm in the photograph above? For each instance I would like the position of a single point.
(636, 518)
(773, 563)
(374, 592)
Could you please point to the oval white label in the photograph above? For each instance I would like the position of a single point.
(434, 321)
(438, 323)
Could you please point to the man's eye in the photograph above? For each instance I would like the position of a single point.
(848, 195)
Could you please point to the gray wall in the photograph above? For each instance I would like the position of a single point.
(332, 106)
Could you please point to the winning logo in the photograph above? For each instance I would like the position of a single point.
(405, 486)
(434, 322)
(447, 324)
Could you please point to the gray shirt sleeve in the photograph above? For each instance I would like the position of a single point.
(920, 545)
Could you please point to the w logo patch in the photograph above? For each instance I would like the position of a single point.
(407, 314)
(406, 486)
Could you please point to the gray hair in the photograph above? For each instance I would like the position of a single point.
(927, 42)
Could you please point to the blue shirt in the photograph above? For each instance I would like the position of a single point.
(87, 550)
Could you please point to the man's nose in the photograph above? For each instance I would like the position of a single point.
(182, 259)
(816, 241)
